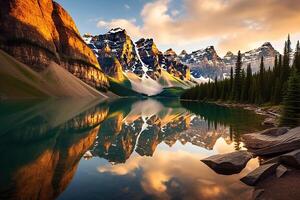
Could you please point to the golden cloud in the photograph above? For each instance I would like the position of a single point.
(233, 24)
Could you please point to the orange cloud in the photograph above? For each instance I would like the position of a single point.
(233, 24)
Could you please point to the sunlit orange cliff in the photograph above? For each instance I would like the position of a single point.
(38, 32)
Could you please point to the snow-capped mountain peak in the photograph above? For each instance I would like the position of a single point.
(204, 63)
(116, 30)
(253, 57)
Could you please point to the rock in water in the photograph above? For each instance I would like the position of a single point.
(273, 141)
(257, 194)
(230, 163)
(291, 159)
(280, 171)
(269, 121)
(259, 174)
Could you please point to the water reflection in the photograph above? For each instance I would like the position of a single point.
(42, 144)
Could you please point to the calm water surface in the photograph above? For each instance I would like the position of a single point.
(126, 149)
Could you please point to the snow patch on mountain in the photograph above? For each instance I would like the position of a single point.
(202, 79)
(144, 68)
(116, 30)
(144, 85)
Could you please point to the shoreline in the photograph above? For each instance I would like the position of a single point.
(271, 112)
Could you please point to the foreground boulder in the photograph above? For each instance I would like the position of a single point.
(291, 159)
(230, 163)
(259, 174)
(273, 141)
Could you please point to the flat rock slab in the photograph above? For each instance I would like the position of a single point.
(230, 163)
(273, 141)
(291, 159)
(259, 174)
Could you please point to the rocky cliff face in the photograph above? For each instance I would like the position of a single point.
(109, 63)
(121, 47)
(175, 67)
(141, 58)
(37, 32)
(150, 56)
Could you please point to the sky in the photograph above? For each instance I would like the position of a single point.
(229, 25)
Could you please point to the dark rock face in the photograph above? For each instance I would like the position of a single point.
(291, 159)
(170, 54)
(151, 56)
(259, 174)
(273, 141)
(174, 66)
(121, 46)
(37, 32)
(230, 163)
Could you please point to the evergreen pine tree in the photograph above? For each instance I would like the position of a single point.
(296, 64)
(291, 108)
(261, 81)
(237, 78)
(231, 83)
(216, 92)
(279, 65)
(278, 82)
(247, 84)
(286, 61)
(275, 68)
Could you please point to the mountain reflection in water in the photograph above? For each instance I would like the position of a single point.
(131, 149)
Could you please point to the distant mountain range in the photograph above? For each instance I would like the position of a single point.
(143, 58)
(207, 63)
(253, 57)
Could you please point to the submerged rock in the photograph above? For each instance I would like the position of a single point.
(291, 159)
(280, 171)
(259, 174)
(230, 163)
(269, 121)
(273, 141)
(257, 194)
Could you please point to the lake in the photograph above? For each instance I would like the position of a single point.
(124, 149)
